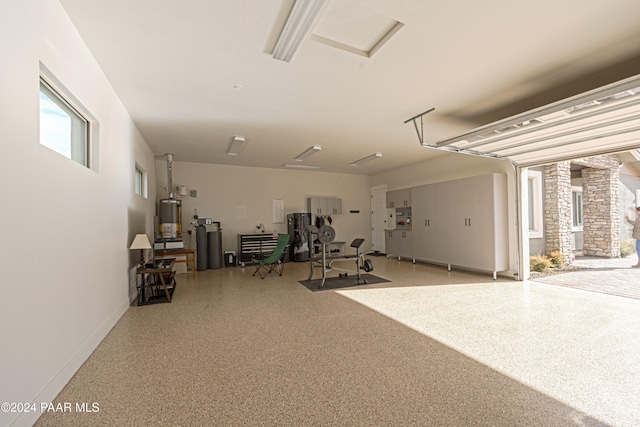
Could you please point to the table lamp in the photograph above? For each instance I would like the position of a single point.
(141, 241)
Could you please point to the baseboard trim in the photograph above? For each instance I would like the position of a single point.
(57, 383)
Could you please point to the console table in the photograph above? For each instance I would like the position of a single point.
(162, 253)
(156, 281)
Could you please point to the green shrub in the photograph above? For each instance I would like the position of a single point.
(540, 263)
(557, 259)
(627, 248)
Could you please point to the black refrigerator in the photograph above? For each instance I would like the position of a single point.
(296, 224)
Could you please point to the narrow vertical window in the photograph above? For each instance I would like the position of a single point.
(576, 208)
(138, 184)
(535, 203)
(140, 181)
(532, 204)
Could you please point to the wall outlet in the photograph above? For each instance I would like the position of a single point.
(193, 193)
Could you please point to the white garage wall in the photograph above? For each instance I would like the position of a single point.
(225, 193)
(65, 263)
(442, 168)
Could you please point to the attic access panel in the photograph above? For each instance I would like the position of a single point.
(601, 121)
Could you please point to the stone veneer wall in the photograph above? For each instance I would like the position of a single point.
(600, 201)
(557, 209)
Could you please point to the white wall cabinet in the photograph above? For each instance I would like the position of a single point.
(324, 205)
(430, 223)
(334, 206)
(317, 205)
(399, 198)
(399, 243)
(392, 242)
(462, 223)
(479, 223)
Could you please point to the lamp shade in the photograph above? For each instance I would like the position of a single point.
(141, 241)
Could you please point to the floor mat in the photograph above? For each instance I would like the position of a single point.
(332, 283)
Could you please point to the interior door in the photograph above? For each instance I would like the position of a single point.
(378, 218)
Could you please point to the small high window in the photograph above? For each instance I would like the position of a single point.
(62, 127)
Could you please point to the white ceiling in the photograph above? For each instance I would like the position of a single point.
(175, 65)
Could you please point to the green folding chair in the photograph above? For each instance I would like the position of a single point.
(273, 261)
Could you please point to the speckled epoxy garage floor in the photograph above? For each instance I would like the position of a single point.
(431, 348)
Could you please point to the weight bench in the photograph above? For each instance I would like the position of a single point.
(326, 262)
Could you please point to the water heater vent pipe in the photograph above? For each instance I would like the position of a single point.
(169, 175)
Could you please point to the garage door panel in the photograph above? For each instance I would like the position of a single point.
(606, 120)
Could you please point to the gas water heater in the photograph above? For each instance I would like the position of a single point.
(170, 213)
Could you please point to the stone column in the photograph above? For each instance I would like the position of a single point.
(601, 230)
(557, 209)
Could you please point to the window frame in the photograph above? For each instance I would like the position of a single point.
(577, 225)
(536, 218)
(65, 100)
(141, 173)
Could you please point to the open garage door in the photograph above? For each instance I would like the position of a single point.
(601, 121)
